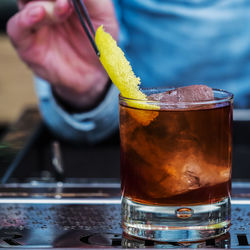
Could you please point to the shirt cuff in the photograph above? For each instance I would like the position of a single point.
(91, 126)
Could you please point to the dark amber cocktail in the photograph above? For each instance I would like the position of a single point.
(176, 167)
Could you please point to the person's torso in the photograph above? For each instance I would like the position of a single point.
(183, 42)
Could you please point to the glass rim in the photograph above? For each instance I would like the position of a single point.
(227, 98)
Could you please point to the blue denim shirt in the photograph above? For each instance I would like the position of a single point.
(183, 42)
(169, 43)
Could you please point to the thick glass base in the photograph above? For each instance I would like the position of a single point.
(176, 224)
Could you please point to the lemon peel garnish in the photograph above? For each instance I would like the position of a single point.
(122, 75)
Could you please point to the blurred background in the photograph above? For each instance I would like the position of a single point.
(16, 84)
(17, 95)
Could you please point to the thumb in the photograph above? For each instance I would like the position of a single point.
(32, 17)
(22, 25)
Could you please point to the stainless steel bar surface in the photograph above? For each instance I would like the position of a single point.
(56, 215)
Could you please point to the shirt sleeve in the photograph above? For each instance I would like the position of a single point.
(123, 38)
(88, 127)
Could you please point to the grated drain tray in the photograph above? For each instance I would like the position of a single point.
(93, 221)
(92, 225)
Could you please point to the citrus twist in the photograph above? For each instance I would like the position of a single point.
(122, 75)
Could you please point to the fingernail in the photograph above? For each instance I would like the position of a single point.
(35, 13)
(62, 7)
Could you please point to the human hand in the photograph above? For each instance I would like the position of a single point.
(50, 40)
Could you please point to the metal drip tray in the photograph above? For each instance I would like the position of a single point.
(59, 225)
(88, 216)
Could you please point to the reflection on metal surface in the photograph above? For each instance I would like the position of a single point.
(242, 238)
(90, 225)
(59, 201)
(241, 114)
(93, 222)
(104, 239)
(17, 142)
(57, 160)
(220, 242)
(62, 195)
(241, 202)
(70, 183)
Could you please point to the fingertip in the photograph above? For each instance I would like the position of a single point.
(62, 8)
(36, 14)
(18, 30)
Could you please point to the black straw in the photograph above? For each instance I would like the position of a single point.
(87, 17)
(83, 15)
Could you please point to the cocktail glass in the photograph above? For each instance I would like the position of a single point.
(176, 167)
